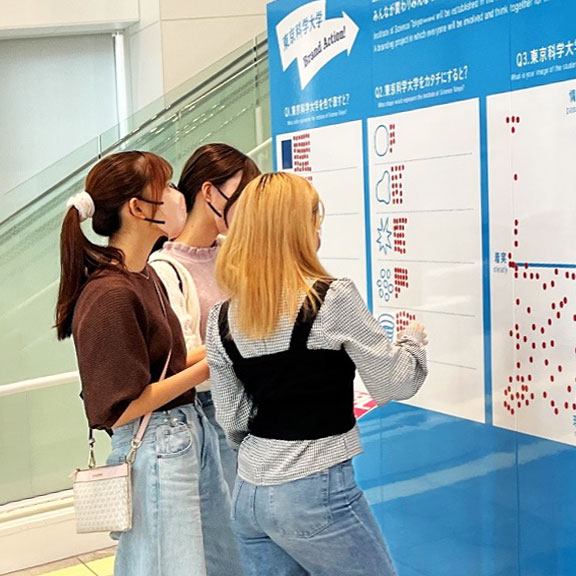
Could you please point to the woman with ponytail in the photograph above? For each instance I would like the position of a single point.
(125, 333)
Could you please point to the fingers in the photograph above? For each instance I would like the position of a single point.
(418, 327)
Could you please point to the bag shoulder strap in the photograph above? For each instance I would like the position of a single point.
(137, 440)
(176, 271)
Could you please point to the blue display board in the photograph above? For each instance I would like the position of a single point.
(441, 135)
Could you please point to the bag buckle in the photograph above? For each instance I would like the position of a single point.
(132, 454)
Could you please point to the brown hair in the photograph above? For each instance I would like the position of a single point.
(215, 163)
(111, 183)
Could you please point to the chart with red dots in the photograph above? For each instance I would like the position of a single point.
(532, 179)
(425, 210)
(337, 172)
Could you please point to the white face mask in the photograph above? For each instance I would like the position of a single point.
(171, 215)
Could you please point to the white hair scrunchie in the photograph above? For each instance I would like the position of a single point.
(84, 204)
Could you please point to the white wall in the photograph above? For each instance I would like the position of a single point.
(192, 34)
(56, 94)
(60, 17)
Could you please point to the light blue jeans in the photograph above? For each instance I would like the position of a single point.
(320, 525)
(228, 456)
(181, 503)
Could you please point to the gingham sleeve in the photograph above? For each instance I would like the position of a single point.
(390, 371)
(232, 405)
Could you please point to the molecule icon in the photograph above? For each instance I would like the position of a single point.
(385, 284)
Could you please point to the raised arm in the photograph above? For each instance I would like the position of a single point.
(390, 371)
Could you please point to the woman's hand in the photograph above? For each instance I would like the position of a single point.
(195, 355)
(417, 327)
(160, 393)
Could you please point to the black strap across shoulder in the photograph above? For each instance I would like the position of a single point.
(180, 284)
(300, 332)
(300, 393)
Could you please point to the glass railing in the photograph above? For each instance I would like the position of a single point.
(43, 432)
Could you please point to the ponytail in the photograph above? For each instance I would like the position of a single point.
(79, 258)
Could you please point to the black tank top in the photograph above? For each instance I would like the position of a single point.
(298, 394)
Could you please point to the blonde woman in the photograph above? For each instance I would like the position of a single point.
(283, 351)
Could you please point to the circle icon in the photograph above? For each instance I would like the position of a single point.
(382, 140)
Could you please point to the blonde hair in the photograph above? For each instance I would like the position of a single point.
(270, 252)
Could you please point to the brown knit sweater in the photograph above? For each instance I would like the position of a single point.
(122, 341)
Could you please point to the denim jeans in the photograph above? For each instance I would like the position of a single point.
(320, 525)
(181, 505)
(228, 456)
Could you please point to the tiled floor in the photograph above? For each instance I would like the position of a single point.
(99, 563)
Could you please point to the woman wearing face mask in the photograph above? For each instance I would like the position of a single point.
(125, 334)
(283, 352)
(211, 182)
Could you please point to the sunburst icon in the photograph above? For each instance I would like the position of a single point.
(384, 234)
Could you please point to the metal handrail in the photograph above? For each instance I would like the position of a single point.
(260, 147)
(39, 383)
(220, 74)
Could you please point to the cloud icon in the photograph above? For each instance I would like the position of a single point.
(383, 191)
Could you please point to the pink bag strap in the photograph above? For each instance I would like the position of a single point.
(137, 441)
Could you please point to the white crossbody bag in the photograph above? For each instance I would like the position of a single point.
(103, 494)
